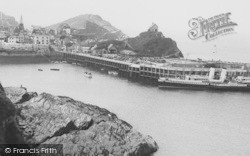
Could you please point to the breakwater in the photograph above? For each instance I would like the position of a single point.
(148, 71)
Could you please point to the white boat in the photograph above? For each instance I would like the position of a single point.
(88, 75)
(113, 73)
(202, 83)
(242, 79)
(182, 83)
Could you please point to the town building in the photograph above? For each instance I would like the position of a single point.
(112, 49)
(64, 29)
(41, 39)
(13, 39)
(153, 28)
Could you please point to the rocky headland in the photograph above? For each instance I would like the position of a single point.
(150, 43)
(29, 118)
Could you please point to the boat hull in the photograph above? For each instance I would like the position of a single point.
(174, 85)
(55, 69)
(230, 88)
(215, 87)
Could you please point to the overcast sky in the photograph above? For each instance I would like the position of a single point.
(135, 16)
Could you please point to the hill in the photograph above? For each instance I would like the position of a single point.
(90, 26)
(7, 21)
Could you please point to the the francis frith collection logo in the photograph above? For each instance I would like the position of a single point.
(211, 28)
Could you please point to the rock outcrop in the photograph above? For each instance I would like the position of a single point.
(150, 43)
(9, 133)
(153, 43)
(82, 128)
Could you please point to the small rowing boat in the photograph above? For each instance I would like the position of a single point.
(88, 75)
(54, 69)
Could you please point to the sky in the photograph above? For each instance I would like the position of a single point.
(135, 16)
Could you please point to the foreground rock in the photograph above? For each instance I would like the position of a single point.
(9, 133)
(82, 129)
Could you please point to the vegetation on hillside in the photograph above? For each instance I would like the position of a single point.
(152, 44)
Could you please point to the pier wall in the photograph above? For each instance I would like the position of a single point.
(141, 72)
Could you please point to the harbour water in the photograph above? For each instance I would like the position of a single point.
(183, 123)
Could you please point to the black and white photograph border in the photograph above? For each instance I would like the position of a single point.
(124, 78)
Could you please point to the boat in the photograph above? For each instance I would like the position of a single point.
(176, 83)
(113, 73)
(55, 69)
(88, 75)
(78, 64)
(40, 70)
(242, 79)
(229, 86)
(203, 83)
(102, 69)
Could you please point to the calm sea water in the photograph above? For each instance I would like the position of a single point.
(184, 123)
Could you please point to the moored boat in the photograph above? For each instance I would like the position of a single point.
(204, 84)
(242, 79)
(229, 86)
(182, 83)
(113, 73)
(54, 69)
(40, 70)
(88, 75)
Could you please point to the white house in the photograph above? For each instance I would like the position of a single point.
(41, 39)
(13, 39)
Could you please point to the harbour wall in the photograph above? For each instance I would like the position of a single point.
(19, 57)
(148, 73)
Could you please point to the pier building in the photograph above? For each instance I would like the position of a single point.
(150, 70)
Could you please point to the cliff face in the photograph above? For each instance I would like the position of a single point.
(82, 128)
(7, 21)
(91, 27)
